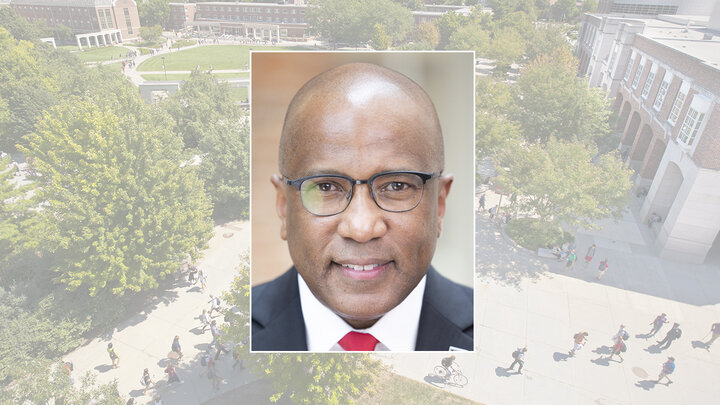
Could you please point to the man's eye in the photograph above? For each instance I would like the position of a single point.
(395, 187)
(326, 187)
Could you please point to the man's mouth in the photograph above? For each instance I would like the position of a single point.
(364, 271)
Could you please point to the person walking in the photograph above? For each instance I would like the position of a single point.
(481, 204)
(590, 254)
(579, 340)
(147, 382)
(114, 358)
(172, 374)
(214, 304)
(175, 347)
(571, 259)
(204, 319)
(673, 334)
(602, 268)
(519, 359)
(220, 348)
(202, 278)
(214, 329)
(668, 368)
(618, 348)
(657, 324)
(715, 330)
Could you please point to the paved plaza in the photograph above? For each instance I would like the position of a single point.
(524, 300)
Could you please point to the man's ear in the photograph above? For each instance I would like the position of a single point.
(443, 190)
(280, 203)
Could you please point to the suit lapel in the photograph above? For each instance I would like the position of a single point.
(446, 318)
(278, 323)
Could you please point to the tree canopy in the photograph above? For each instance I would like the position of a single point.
(154, 12)
(120, 209)
(354, 21)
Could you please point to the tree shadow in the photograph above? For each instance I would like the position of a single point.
(696, 344)
(647, 385)
(557, 356)
(503, 372)
(103, 368)
(601, 361)
(194, 289)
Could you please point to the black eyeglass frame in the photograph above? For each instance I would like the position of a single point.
(297, 183)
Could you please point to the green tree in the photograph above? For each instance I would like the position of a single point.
(151, 34)
(120, 211)
(447, 25)
(215, 129)
(547, 39)
(380, 40)
(553, 102)
(506, 48)
(18, 26)
(426, 33)
(471, 37)
(565, 182)
(238, 299)
(501, 8)
(353, 21)
(320, 378)
(154, 12)
(564, 10)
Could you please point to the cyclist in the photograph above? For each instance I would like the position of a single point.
(450, 366)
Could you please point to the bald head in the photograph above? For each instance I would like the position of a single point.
(339, 96)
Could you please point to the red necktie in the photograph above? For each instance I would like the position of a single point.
(358, 342)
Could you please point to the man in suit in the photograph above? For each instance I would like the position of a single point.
(361, 197)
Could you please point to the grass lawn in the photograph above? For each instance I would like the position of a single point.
(114, 67)
(185, 76)
(396, 389)
(220, 57)
(101, 54)
(239, 93)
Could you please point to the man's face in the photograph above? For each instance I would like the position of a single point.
(358, 137)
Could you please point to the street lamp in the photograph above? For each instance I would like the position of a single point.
(163, 63)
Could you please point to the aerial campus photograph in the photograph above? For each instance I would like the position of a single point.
(136, 137)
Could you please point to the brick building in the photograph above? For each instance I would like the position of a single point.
(257, 20)
(664, 76)
(95, 22)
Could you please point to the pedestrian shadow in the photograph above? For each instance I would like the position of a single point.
(604, 349)
(647, 385)
(645, 336)
(696, 344)
(503, 372)
(162, 363)
(557, 356)
(194, 289)
(601, 361)
(103, 368)
(197, 331)
(202, 347)
(654, 349)
(137, 393)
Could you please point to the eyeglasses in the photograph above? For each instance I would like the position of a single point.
(330, 194)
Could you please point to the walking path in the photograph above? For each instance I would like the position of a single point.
(524, 300)
(145, 339)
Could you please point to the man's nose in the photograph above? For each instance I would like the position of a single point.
(362, 221)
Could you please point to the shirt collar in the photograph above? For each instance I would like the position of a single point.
(397, 330)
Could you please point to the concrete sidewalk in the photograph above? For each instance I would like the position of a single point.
(144, 340)
(523, 300)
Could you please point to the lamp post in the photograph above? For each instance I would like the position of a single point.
(163, 63)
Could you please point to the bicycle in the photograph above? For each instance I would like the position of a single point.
(454, 375)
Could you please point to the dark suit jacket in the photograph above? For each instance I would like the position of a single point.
(446, 317)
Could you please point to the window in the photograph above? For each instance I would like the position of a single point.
(638, 73)
(662, 91)
(649, 81)
(613, 57)
(128, 21)
(693, 120)
(678, 103)
(629, 68)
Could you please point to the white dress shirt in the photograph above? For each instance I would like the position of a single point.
(397, 330)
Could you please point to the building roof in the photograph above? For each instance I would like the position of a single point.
(64, 3)
(236, 3)
(686, 34)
